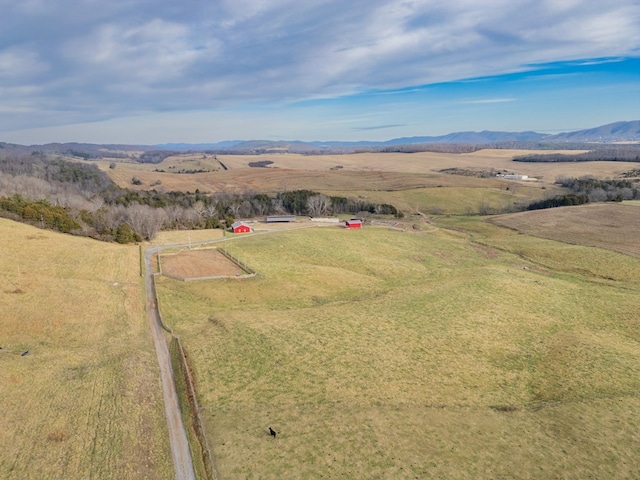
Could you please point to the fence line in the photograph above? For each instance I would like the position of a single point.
(198, 424)
(185, 374)
(242, 265)
(212, 277)
(237, 261)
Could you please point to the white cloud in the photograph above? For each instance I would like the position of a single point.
(19, 62)
(93, 60)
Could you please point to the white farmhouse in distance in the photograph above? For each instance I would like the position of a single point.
(513, 176)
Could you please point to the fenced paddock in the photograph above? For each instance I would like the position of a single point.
(202, 264)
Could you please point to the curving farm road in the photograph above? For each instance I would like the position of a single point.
(182, 463)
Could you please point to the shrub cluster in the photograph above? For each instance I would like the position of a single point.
(560, 201)
(39, 212)
(601, 190)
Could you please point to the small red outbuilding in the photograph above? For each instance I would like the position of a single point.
(353, 223)
(241, 227)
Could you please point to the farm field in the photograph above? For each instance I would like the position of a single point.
(448, 346)
(86, 400)
(187, 237)
(411, 182)
(465, 351)
(365, 171)
(611, 226)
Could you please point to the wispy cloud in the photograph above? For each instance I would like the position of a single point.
(78, 62)
(380, 127)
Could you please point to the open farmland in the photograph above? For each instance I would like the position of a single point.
(410, 182)
(612, 226)
(367, 171)
(469, 351)
(86, 401)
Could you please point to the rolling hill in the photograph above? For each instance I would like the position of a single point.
(617, 132)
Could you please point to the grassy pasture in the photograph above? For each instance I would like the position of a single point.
(456, 200)
(86, 402)
(612, 226)
(191, 161)
(187, 236)
(466, 352)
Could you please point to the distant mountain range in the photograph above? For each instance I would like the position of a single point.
(606, 134)
(610, 133)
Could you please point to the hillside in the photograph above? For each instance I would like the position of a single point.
(467, 351)
(79, 381)
(612, 132)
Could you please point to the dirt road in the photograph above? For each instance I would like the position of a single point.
(182, 462)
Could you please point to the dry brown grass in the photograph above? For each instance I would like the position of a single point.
(610, 226)
(86, 401)
(410, 182)
(366, 171)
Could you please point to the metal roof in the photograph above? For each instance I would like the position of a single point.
(281, 218)
(238, 224)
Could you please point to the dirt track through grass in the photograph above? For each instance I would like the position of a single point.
(180, 452)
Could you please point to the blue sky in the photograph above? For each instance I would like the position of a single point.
(156, 71)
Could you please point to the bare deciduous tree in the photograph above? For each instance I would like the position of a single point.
(318, 205)
(145, 220)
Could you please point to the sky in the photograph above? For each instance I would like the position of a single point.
(197, 71)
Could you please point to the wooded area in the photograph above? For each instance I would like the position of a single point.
(621, 153)
(78, 198)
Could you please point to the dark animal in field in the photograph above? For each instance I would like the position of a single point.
(25, 353)
(272, 432)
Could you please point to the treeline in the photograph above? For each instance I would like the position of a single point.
(155, 156)
(601, 190)
(308, 202)
(560, 201)
(431, 147)
(626, 153)
(87, 151)
(80, 199)
(589, 189)
(83, 176)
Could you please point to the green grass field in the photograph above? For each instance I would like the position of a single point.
(484, 197)
(454, 349)
(86, 401)
(469, 351)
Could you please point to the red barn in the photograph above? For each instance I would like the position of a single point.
(353, 223)
(241, 227)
